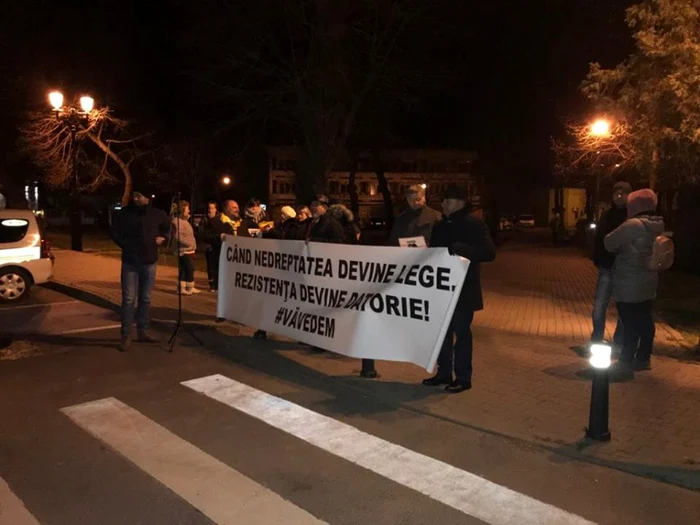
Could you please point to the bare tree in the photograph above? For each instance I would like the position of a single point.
(305, 72)
(182, 165)
(102, 147)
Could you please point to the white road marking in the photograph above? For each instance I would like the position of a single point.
(90, 329)
(44, 305)
(220, 492)
(12, 510)
(459, 489)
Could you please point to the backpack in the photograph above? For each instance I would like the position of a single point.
(662, 253)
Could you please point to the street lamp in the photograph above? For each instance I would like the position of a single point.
(226, 180)
(74, 119)
(600, 128)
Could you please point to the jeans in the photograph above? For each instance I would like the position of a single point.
(603, 292)
(457, 347)
(213, 267)
(186, 268)
(639, 331)
(137, 281)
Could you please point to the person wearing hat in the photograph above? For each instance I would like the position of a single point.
(286, 226)
(634, 282)
(138, 229)
(604, 261)
(466, 236)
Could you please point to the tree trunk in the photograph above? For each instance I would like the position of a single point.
(352, 188)
(384, 188)
(128, 184)
(654, 169)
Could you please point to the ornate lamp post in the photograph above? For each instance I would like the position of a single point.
(74, 119)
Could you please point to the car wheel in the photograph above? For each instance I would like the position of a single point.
(14, 285)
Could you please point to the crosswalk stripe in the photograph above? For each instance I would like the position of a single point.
(12, 510)
(223, 494)
(459, 489)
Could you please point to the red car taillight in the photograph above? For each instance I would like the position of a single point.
(45, 249)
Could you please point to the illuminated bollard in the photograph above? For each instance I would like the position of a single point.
(600, 392)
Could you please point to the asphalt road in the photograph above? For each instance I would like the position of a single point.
(92, 436)
(50, 312)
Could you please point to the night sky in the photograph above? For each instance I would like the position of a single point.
(520, 63)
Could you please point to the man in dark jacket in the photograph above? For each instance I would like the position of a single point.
(138, 229)
(209, 236)
(322, 227)
(231, 223)
(468, 237)
(604, 260)
(418, 220)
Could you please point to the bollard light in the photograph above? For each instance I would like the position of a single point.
(600, 392)
(600, 355)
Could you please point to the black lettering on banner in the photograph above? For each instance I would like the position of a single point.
(365, 271)
(238, 255)
(306, 322)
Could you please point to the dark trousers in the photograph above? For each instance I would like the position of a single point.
(457, 347)
(639, 331)
(213, 267)
(186, 268)
(137, 282)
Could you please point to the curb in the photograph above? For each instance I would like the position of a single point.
(81, 295)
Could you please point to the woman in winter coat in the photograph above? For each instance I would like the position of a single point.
(634, 282)
(185, 246)
(345, 217)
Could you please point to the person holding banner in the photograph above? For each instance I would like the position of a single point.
(322, 227)
(417, 221)
(466, 236)
(231, 222)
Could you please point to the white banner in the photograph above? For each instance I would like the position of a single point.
(372, 302)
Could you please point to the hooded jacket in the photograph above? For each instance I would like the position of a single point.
(632, 242)
(346, 219)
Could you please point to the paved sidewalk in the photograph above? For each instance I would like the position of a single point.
(528, 382)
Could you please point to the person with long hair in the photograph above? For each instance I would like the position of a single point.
(185, 245)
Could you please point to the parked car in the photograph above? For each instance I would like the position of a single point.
(505, 224)
(526, 221)
(25, 255)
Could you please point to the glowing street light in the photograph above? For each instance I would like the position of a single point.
(600, 128)
(87, 104)
(424, 185)
(226, 180)
(56, 99)
(600, 392)
(74, 119)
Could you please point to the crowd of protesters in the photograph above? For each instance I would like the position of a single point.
(627, 238)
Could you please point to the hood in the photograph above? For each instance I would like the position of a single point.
(653, 223)
(340, 212)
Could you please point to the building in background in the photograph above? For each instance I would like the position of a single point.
(434, 168)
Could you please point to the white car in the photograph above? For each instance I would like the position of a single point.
(526, 221)
(25, 256)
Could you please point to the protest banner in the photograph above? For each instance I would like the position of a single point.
(372, 302)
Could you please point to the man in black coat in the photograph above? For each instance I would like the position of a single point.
(604, 260)
(468, 237)
(418, 220)
(138, 229)
(322, 227)
(209, 236)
